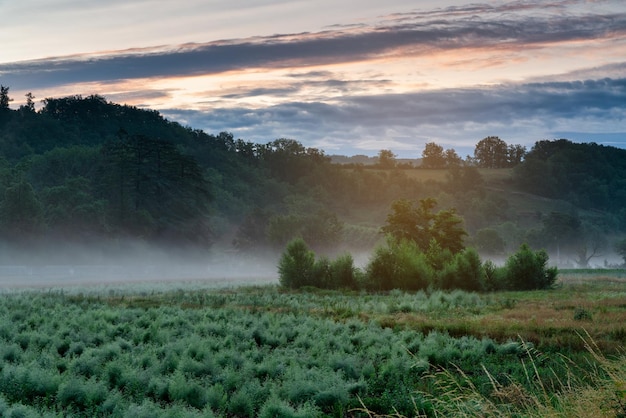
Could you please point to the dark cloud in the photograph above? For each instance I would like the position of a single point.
(260, 91)
(481, 105)
(138, 94)
(337, 112)
(516, 111)
(295, 88)
(407, 33)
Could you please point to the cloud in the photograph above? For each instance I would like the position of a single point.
(372, 85)
(521, 113)
(413, 34)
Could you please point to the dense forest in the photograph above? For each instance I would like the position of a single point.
(84, 170)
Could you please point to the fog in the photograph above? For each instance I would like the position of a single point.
(566, 260)
(129, 262)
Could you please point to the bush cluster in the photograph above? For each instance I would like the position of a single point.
(298, 267)
(401, 264)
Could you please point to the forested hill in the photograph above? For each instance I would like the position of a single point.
(588, 175)
(84, 169)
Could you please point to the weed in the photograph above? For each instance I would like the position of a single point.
(582, 314)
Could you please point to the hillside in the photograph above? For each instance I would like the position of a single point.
(84, 170)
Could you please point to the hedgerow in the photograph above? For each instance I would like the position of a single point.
(402, 264)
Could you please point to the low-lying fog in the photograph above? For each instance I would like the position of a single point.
(130, 262)
(120, 263)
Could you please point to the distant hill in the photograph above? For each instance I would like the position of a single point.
(585, 174)
(87, 170)
(369, 161)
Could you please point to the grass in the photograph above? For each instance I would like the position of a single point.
(546, 318)
(263, 350)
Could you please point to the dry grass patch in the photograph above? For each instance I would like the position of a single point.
(547, 318)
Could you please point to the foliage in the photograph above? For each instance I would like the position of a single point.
(145, 175)
(100, 172)
(230, 352)
(527, 269)
(403, 263)
(582, 314)
(4, 98)
(420, 225)
(464, 179)
(20, 210)
(343, 273)
(298, 268)
(386, 159)
(433, 156)
(399, 265)
(296, 265)
(492, 152)
(464, 271)
(586, 174)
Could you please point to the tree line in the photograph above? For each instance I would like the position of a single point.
(424, 250)
(83, 168)
(489, 152)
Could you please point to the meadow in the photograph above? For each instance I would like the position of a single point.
(192, 350)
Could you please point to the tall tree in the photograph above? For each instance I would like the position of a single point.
(452, 158)
(21, 210)
(421, 225)
(516, 154)
(433, 156)
(386, 159)
(30, 103)
(4, 98)
(149, 181)
(491, 152)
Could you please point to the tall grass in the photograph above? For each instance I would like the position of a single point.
(597, 390)
(265, 351)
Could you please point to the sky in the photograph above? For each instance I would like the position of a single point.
(345, 76)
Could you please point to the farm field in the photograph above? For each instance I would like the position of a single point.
(197, 351)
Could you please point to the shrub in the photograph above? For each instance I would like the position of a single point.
(321, 274)
(400, 265)
(240, 405)
(81, 394)
(469, 270)
(526, 270)
(582, 314)
(217, 398)
(331, 400)
(493, 276)
(343, 273)
(147, 409)
(11, 353)
(189, 392)
(296, 264)
(464, 270)
(21, 411)
(438, 257)
(275, 408)
(381, 269)
(298, 268)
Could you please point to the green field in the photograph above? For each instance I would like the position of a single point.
(264, 351)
